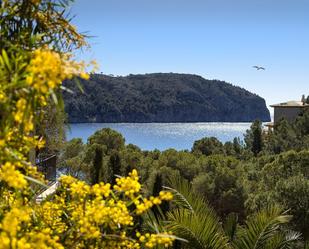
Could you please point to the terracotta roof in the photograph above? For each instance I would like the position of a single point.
(292, 103)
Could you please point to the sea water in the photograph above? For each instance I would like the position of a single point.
(162, 136)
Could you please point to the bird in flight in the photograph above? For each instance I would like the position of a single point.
(259, 68)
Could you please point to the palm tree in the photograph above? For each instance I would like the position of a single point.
(196, 222)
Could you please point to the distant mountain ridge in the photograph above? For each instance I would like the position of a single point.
(161, 97)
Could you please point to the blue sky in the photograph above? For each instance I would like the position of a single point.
(217, 39)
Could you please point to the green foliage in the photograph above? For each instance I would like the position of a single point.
(73, 148)
(253, 138)
(111, 139)
(302, 124)
(237, 146)
(284, 181)
(157, 187)
(186, 163)
(293, 194)
(52, 128)
(233, 181)
(97, 165)
(261, 228)
(230, 226)
(114, 166)
(36, 24)
(195, 221)
(161, 98)
(71, 161)
(288, 135)
(212, 146)
(282, 138)
(208, 146)
(220, 182)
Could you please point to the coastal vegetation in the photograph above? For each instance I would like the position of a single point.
(161, 97)
(233, 181)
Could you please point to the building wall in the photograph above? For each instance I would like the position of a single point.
(289, 113)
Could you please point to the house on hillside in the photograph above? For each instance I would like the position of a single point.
(289, 110)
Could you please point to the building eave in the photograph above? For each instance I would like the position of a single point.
(290, 106)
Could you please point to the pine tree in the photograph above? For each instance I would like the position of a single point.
(157, 187)
(237, 145)
(97, 165)
(257, 140)
(114, 166)
(254, 138)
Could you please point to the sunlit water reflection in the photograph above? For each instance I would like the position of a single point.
(149, 136)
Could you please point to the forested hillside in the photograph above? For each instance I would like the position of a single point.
(161, 97)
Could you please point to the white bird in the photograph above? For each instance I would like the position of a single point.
(259, 68)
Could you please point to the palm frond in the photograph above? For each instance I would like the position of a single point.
(230, 226)
(156, 225)
(153, 223)
(193, 219)
(261, 228)
(283, 240)
(185, 197)
(179, 199)
(201, 231)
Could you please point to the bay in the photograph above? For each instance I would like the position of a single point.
(162, 136)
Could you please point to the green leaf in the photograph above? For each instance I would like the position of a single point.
(31, 179)
(193, 220)
(6, 60)
(230, 226)
(261, 228)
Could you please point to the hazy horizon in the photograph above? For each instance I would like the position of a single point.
(215, 39)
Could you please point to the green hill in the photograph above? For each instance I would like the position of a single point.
(161, 97)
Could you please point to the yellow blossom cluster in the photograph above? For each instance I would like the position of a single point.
(2, 96)
(48, 69)
(50, 213)
(79, 216)
(146, 204)
(102, 214)
(12, 177)
(20, 107)
(11, 223)
(128, 185)
(28, 80)
(151, 240)
(15, 232)
(101, 190)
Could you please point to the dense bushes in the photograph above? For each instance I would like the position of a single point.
(284, 181)
(233, 177)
